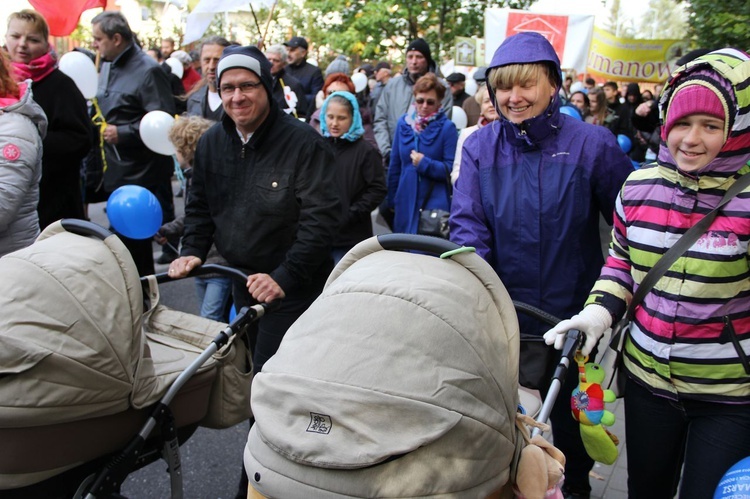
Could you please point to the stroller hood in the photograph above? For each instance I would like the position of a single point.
(400, 380)
(71, 345)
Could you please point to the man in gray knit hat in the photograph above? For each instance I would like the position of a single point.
(264, 193)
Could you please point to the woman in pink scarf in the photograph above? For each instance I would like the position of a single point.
(68, 137)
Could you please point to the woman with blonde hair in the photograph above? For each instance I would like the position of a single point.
(531, 190)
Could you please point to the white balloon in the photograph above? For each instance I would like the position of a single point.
(360, 81)
(471, 86)
(459, 118)
(176, 67)
(82, 71)
(154, 130)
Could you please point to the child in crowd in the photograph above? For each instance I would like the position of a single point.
(359, 169)
(214, 292)
(687, 396)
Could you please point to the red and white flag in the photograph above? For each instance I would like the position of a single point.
(63, 17)
(570, 35)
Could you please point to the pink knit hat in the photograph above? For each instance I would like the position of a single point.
(694, 98)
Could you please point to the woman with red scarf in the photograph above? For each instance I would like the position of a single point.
(424, 147)
(68, 139)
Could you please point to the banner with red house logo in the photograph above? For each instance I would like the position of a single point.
(570, 35)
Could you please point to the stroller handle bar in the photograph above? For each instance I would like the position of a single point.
(209, 268)
(428, 244)
(90, 229)
(85, 228)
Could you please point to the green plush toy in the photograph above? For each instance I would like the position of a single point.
(587, 404)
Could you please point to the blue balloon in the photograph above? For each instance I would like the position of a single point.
(572, 112)
(636, 165)
(735, 482)
(624, 142)
(134, 212)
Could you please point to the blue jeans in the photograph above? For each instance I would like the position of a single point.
(213, 296)
(662, 434)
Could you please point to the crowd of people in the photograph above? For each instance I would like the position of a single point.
(286, 163)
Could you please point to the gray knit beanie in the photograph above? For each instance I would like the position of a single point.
(338, 65)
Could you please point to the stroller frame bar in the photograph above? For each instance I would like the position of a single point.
(111, 477)
(572, 339)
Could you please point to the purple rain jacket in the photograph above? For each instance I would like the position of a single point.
(529, 196)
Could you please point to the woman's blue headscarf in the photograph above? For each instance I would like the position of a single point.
(356, 130)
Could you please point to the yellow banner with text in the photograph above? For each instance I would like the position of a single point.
(625, 59)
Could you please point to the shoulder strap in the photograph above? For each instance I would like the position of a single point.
(682, 245)
(427, 196)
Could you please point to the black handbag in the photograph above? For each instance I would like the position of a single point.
(434, 222)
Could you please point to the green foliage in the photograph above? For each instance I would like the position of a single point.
(664, 19)
(715, 24)
(82, 35)
(367, 29)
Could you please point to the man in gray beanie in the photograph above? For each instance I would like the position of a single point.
(264, 193)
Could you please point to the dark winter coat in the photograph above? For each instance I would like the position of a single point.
(129, 87)
(359, 176)
(270, 205)
(311, 79)
(197, 105)
(67, 142)
(295, 86)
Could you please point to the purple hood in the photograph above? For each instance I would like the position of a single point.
(529, 48)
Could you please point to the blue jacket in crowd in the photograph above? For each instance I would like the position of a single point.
(408, 185)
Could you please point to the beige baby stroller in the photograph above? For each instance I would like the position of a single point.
(95, 379)
(401, 380)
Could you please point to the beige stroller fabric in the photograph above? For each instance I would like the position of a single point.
(71, 345)
(399, 381)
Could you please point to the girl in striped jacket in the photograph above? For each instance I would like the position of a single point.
(687, 397)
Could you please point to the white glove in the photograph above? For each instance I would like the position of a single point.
(592, 320)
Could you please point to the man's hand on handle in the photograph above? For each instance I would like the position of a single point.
(182, 266)
(263, 288)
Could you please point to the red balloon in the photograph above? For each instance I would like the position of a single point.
(63, 17)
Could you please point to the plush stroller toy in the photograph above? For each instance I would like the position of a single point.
(541, 466)
(587, 404)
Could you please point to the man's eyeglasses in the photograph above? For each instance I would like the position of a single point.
(245, 88)
(430, 102)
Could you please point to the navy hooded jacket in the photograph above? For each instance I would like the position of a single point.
(529, 196)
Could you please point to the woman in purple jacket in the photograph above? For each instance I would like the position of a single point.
(532, 187)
